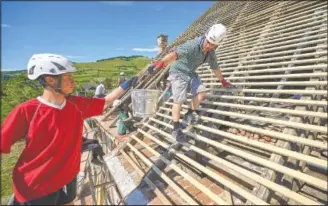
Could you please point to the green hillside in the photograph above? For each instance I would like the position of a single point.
(110, 68)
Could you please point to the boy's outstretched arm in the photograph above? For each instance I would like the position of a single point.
(116, 93)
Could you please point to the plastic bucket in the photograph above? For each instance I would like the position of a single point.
(144, 102)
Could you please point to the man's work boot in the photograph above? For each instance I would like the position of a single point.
(195, 118)
(187, 118)
(178, 135)
(191, 118)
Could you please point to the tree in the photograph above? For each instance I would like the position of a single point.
(16, 90)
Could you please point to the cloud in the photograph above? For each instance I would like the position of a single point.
(5, 25)
(154, 49)
(119, 3)
(74, 57)
(119, 49)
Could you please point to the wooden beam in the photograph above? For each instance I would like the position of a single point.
(200, 186)
(277, 167)
(172, 184)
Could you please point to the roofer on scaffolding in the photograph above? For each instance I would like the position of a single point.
(51, 125)
(121, 79)
(183, 77)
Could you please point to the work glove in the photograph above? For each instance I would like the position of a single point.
(131, 82)
(154, 68)
(225, 83)
(151, 68)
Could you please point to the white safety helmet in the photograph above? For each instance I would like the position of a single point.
(51, 64)
(216, 33)
(117, 103)
(122, 74)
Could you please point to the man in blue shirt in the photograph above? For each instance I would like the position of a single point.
(184, 60)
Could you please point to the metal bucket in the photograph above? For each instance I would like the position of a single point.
(144, 102)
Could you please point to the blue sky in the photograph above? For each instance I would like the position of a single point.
(87, 31)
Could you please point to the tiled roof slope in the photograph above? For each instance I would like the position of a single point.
(264, 141)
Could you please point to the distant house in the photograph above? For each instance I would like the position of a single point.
(89, 86)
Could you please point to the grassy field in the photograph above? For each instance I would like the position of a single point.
(8, 162)
(109, 69)
(87, 72)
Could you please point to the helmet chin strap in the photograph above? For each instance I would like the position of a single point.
(57, 88)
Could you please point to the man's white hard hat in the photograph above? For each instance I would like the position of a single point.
(216, 33)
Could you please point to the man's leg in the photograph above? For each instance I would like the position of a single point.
(196, 116)
(179, 89)
(177, 133)
(198, 91)
(197, 100)
(176, 112)
(179, 94)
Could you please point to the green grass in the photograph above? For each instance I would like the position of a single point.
(8, 162)
(91, 71)
(87, 72)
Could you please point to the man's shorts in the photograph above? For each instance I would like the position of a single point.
(182, 84)
(62, 196)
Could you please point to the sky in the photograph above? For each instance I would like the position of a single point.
(85, 31)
